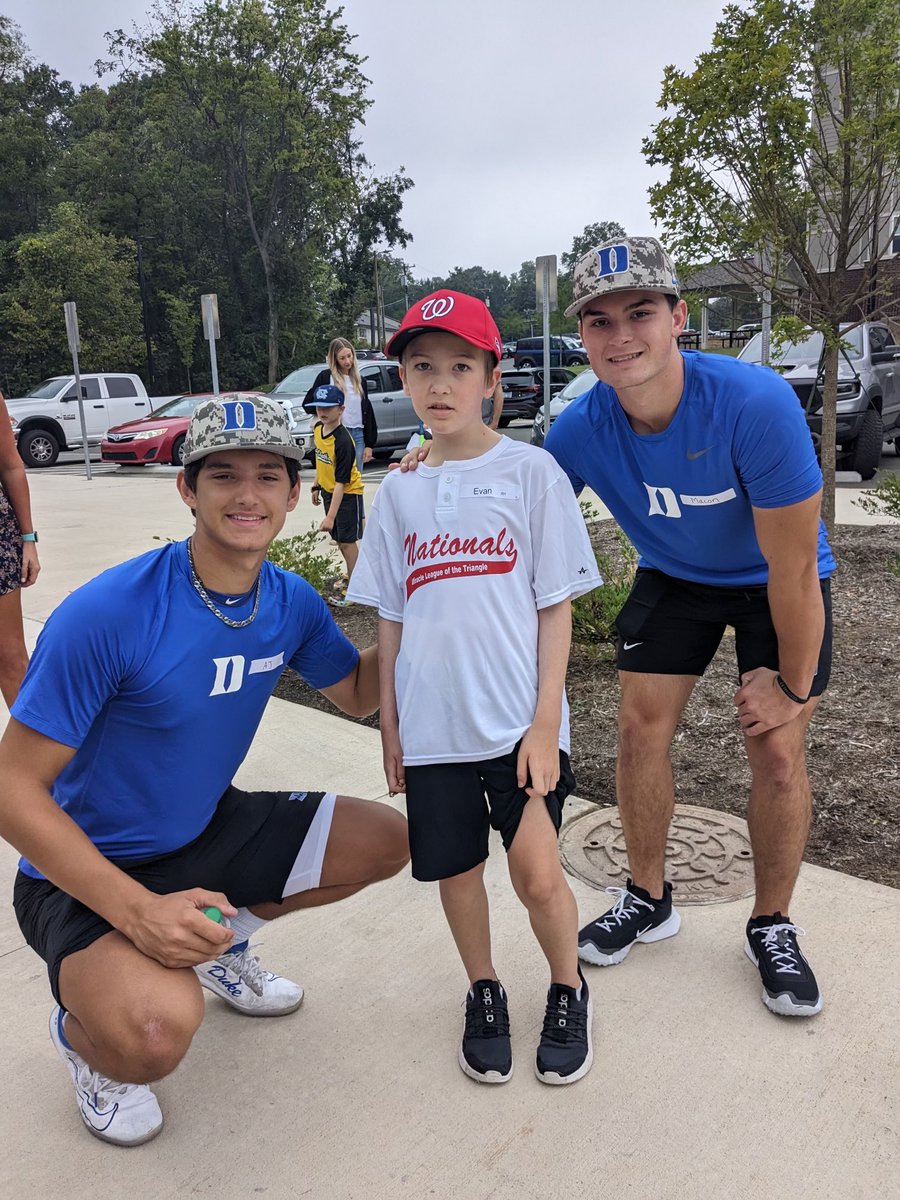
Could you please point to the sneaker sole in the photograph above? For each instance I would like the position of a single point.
(99, 1134)
(783, 1004)
(487, 1077)
(248, 1012)
(555, 1080)
(589, 953)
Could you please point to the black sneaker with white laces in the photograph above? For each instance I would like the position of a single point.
(635, 917)
(485, 1052)
(789, 986)
(565, 1051)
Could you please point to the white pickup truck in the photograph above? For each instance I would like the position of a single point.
(46, 420)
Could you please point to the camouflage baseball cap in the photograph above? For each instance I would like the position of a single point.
(239, 421)
(627, 264)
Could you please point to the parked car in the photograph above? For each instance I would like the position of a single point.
(508, 349)
(868, 390)
(46, 420)
(394, 414)
(582, 383)
(157, 438)
(523, 391)
(369, 354)
(529, 352)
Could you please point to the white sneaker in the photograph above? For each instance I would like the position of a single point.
(125, 1114)
(241, 981)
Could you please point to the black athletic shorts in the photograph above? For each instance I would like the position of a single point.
(670, 626)
(451, 807)
(246, 851)
(348, 524)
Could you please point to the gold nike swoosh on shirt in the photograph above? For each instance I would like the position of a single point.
(692, 454)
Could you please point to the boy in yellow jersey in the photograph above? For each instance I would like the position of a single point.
(338, 485)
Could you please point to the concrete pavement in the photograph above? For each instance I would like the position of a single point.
(696, 1091)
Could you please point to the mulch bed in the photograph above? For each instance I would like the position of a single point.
(854, 758)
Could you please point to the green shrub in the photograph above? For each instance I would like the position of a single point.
(884, 500)
(594, 615)
(304, 555)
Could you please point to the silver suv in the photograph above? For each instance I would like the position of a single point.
(394, 414)
(868, 394)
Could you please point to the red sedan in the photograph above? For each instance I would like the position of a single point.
(158, 438)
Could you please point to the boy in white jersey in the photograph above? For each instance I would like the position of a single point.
(474, 720)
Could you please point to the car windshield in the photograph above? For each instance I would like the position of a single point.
(181, 406)
(807, 351)
(46, 389)
(581, 383)
(300, 381)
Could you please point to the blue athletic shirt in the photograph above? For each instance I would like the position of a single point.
(738, 440)
(161, 698)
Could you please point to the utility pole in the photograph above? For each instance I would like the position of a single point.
(142, 285)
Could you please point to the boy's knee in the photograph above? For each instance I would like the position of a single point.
(539, 889)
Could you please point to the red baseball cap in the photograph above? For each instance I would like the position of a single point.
(451, 312)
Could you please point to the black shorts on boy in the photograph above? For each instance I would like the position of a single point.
(258, 847)
(670, 626)
(451, 808)
(348, 524)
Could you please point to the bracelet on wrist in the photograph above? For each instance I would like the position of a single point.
(29, 537)
(787, 691)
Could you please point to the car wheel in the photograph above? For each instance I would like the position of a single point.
(383, 453)
(864, 452)
(178, 452)
(504, 421)
(526, 362)
(38, 448)
(577, 362)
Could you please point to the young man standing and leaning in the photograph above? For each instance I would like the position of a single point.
(169, 660)
(708, 466)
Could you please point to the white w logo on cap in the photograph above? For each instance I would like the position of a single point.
(438, 307)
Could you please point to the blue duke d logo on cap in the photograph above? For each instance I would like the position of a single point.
(239, 414)
(239, 421)
(612, 260)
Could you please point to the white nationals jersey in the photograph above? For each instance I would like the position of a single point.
(465, 555)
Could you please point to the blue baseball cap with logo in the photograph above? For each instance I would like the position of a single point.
(327, 396)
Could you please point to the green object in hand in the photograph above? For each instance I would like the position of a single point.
(213, 913)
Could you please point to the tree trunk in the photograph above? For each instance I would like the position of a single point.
(828, 449)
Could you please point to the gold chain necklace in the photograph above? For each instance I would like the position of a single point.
(204, 595)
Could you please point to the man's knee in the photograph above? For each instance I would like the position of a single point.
(391, 843)
(154, 1036)
(643, 734)
(538, 888)
(778, 763)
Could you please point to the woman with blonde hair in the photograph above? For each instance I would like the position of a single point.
(359, 416)
(19, 564)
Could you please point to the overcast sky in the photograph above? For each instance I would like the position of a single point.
(519, 121)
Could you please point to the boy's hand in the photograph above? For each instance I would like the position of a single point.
(538, 761)
(327, 524)
(316, 496)
(367, 454)
(392, 753)
(412, 458)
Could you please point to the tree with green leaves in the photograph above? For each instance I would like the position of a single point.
(68, 260)
(595, 234)
(33, 133)
(271, 92)
(782, 148)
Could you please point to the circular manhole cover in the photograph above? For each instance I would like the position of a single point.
(708, 855)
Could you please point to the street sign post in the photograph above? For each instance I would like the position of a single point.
(547, 301)
(74, 347)
(209, 309)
